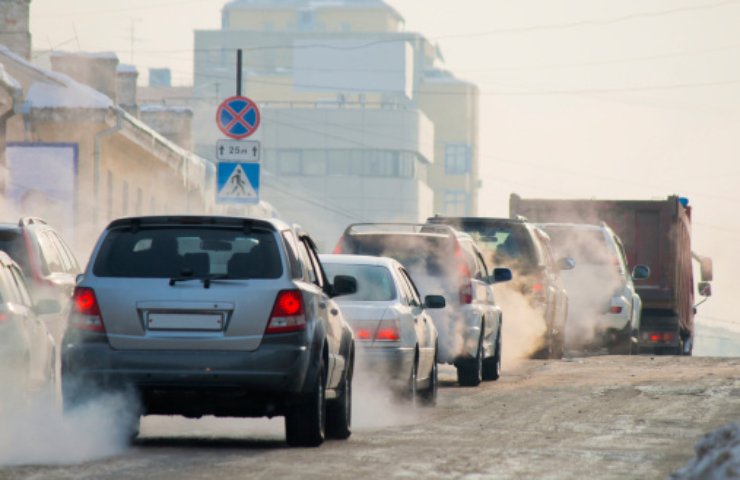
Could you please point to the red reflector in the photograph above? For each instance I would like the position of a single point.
(287, 314)
(615, 310)
(363, 334)
(388, 331)
(655, 337)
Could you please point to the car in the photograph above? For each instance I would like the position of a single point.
(523, 247)
(47, 262)
(444, 261)
(604, 307)
(394, 333)
(211, 315)
(27, 348)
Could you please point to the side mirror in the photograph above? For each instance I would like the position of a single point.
(48, 306)
(705, 266)
(641, 272)
(434, 301)
(344, 285)
(566, 263)
(500, 275)
(705, 289)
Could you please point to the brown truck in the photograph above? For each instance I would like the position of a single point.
(656, 233)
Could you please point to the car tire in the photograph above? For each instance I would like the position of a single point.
(470, 371)
(339, 412)
(492, 366)
(305, 423)
(428, 396)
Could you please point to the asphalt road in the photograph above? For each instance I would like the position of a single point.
(598, 417)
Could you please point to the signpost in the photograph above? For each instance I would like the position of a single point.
(238, 168)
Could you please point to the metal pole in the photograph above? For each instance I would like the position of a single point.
(239, 72)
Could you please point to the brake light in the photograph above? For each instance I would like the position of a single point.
(363, 334)
(86, 313)
(537, 288)
(615, 309)
(388, 331)
(3, 317)
(660, 337)
(288, 314)
(466, 294)
(338, 248)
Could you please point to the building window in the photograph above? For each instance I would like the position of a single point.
(305, 20)
(139, 201)
(457, 159)
(109, 203)
(289, 162)
(124, 198)
(456, 202)
(314, 163)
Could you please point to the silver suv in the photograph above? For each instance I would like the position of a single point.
(604, 309)
(216, 316)
(444, 261)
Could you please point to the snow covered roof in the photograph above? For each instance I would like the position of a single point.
(126, 68)
(239, 4)
(71, 95)
(8, 82)
(158, 107)
(95, 55)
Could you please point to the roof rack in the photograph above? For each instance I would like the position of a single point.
(25, 221)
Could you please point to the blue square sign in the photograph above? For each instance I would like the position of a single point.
(238, 182)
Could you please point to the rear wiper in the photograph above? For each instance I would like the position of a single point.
(206, 279)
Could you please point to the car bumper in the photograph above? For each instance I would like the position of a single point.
(392, 364)
(192, 383)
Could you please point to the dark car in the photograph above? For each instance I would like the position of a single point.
(221, 316)
(444, 261)
(27, 349)
(47, 262)
(525, 248)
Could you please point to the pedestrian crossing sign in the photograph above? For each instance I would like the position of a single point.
(238, 183)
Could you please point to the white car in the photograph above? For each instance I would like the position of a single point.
(604, 308)
(395, 336)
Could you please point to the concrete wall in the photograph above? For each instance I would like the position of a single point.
(14, 26)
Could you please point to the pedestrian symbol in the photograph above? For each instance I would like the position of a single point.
(238, 183)
(238, 117)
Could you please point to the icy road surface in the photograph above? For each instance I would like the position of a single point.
(598, 417)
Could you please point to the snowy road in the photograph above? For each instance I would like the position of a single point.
(598, 417)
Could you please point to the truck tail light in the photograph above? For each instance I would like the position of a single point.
(339, 247)
(388, 331)
(660, 337)
(85, 313)
(288, 314)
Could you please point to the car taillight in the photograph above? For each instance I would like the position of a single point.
(4, 317)
(615, 309)
(363, 334)
(338, 249)
(388, 331)
(660, 337)
(288, 314)
(86, 312)
(466, 294)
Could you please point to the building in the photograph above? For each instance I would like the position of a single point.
(358, 121)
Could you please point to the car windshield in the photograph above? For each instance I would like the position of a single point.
(374, 282)
(586, 247)
(506, 244)
(168, 252)
(421, 254)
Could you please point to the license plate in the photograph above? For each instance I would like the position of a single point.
(184, 321)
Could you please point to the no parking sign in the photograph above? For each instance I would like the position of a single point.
(238, 117)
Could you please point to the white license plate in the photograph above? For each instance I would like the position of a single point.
(187, 321)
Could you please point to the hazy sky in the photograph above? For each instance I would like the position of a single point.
(579, 98)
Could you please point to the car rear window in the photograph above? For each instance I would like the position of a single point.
(506, 243)
(425, 254)
(165, 252)
(374, 282)
(586, 247)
